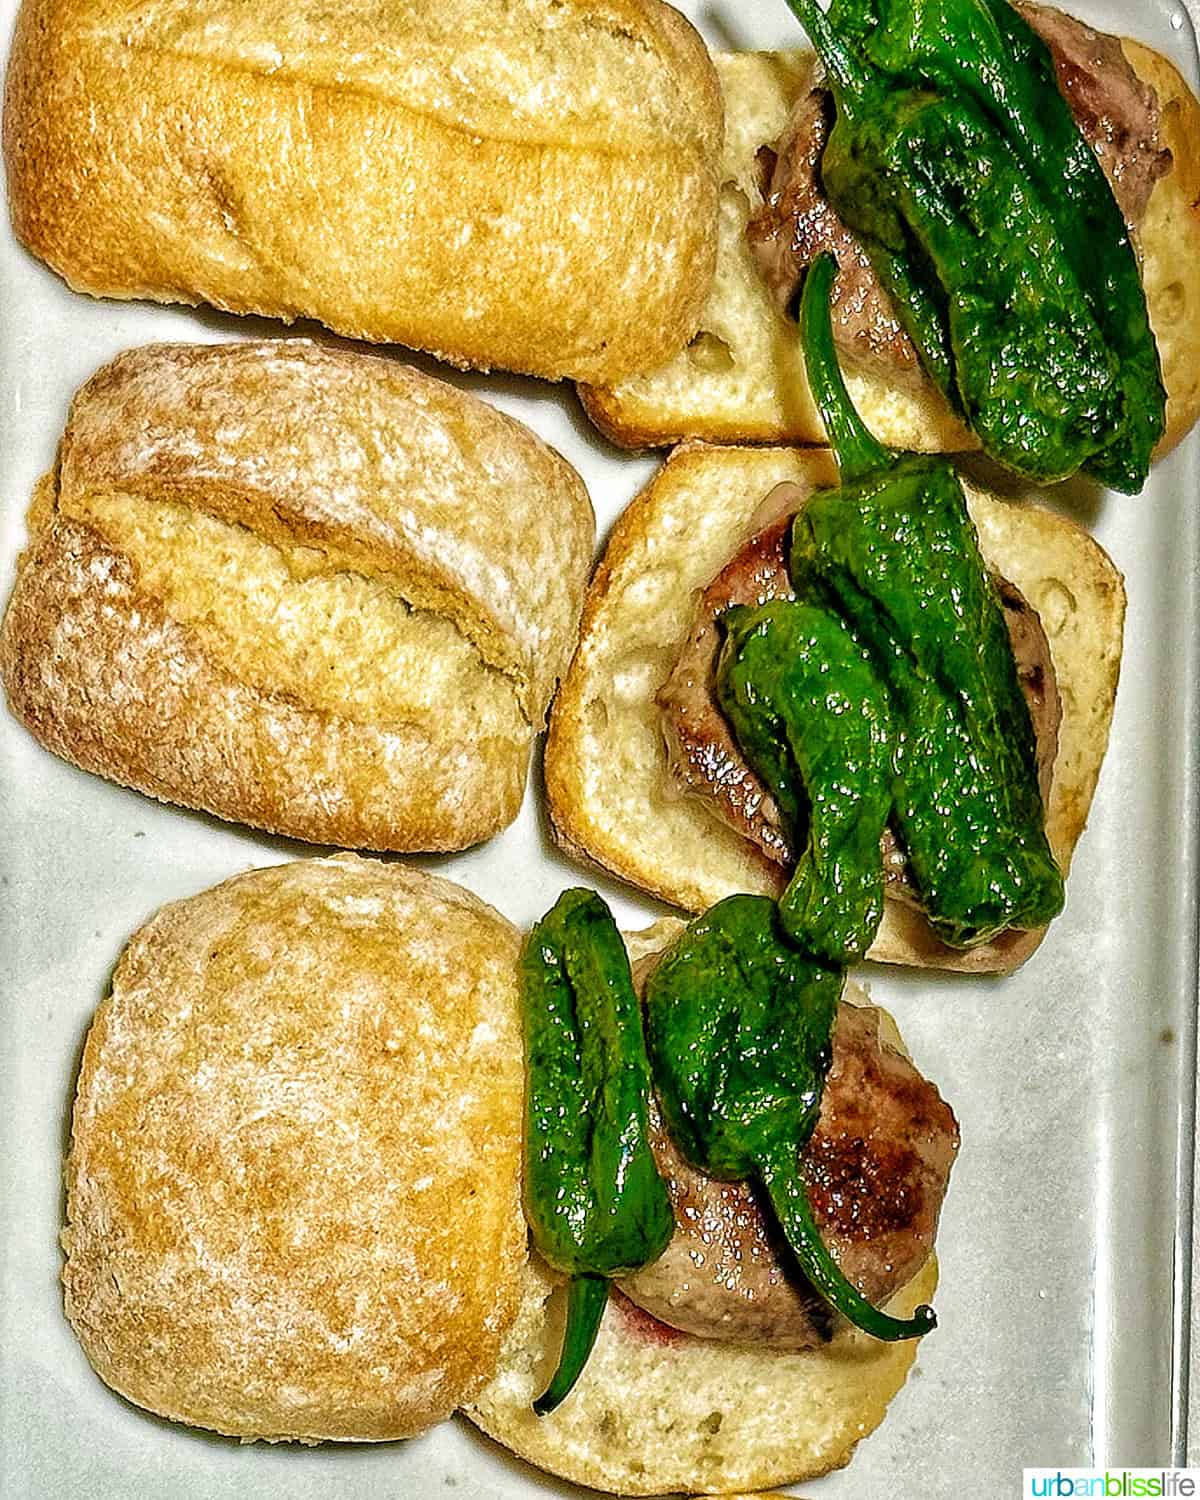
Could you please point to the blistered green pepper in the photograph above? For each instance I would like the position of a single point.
(987, 49)
(941, 744)
(739, 1027)
(975, 260)
(895, 553)
(593, 1197)
(812, 717)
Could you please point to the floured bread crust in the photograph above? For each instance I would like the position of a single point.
(612, 799)
(658, 1411)
(293, 1188)
(303, 588)
(742, 376)
(528, 185)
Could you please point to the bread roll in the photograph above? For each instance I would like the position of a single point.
(293, 1189)
(742, 377)
(612, 798)
(528, 185)
(302, 588)
(657, 1411)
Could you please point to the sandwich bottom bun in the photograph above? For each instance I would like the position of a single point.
(741, 378)
(293, 1206)
(612, 797)
(662, 1412)
(658, 1412)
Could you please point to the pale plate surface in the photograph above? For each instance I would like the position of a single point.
(1061, 1307)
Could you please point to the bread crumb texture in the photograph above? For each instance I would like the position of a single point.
(658, 1412)
(303, 588)
(741, 377)
(1169, 244)
(612, 798)
(529, 185)
(293, 1187)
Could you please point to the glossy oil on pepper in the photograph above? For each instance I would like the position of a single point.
(593, 1197)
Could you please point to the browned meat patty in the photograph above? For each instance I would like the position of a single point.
(701, 750)
(1117, 113)
(702, 753)
(797, 223)
(876, 1165)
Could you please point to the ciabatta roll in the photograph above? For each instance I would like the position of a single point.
(530, 186)
(302, 588)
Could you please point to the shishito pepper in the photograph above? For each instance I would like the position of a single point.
(593, 1196)
(813, 717)
(985, 48)
(894, 556)
(1015, 327)
(894, 551)
(739, 1025)
(809, 710)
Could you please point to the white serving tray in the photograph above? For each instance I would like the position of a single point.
(1066, 1238)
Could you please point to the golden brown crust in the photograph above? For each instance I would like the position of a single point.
(610, 793)
(742, 378)
(100, 674)
(293, 1189)
(382, 469)
(301, 588)
(529, 186)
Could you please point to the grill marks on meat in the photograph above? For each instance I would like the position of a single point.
(1117, 113)
(877, 1166)
(702, 753)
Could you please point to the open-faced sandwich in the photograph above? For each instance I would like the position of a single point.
(294, 1205)
(806, 157)
(655, 771)
(762, 1178)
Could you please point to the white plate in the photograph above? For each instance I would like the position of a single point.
(1065, 1243)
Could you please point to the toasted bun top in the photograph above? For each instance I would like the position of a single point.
(530, 185)
(371, 466)
(293, 1188)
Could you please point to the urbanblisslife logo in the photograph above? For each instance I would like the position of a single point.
(1114, 1484)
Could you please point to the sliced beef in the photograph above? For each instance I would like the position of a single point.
(1117, 113)
(797, 223)
(1035, 673)
(702, 753)
(876, 1166)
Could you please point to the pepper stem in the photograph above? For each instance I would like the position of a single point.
(848, 74)
(789, 1197)
(857, 451)
(586, 1299)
